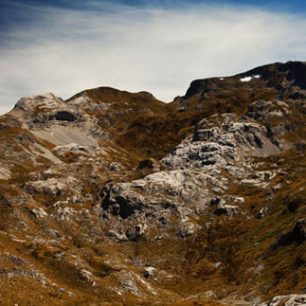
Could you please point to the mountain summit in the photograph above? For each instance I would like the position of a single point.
(116, 197)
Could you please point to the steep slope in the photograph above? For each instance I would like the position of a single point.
(117, 197)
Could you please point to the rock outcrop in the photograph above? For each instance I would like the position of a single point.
(287, 300)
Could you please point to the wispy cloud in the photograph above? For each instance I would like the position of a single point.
(161, 50)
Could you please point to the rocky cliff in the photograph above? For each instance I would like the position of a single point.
(116, 197)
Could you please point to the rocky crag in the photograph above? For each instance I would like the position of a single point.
(115, 197)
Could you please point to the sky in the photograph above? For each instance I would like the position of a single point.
(66, 46)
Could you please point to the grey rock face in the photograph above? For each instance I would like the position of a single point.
(192, 175)
(268, 110)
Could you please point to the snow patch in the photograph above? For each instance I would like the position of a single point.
(250, 78)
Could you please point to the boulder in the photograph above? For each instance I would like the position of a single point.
(135, 233)
(39, 212)
(50, 186)
(262, 212)
(72, 148)
(149, 271)
(122, 202)
(228, 210)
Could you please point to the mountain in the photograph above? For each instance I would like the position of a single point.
(116, 197)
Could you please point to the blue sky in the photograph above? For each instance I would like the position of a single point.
(279, 5)
(65, 46)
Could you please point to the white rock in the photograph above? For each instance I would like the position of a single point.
(39, 212)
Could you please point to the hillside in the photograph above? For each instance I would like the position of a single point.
(116, 197)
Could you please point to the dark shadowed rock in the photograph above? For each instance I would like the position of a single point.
(296, 235)
(63, 116)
